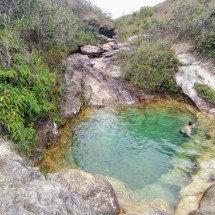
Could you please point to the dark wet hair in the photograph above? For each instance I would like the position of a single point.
(191, 123)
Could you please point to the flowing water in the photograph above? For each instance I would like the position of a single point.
(139, 145)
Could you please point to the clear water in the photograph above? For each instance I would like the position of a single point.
(135, 144)
(139, 145)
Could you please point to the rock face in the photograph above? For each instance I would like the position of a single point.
(207, 203)
(192, 71)
(95, 190)
(25, 191)
(94, 81)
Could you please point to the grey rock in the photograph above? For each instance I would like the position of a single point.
(91, 50)
(93, 82)
(207, 203)
(191, 72)
(25, 191)
(73, 89)
(94, 189)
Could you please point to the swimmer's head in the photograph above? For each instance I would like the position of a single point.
(192, 124)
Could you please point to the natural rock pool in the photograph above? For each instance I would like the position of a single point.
(138, 145)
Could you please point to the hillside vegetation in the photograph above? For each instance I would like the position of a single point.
(35, 38)
(152, 65)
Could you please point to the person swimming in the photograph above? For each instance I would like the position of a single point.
(187, 130)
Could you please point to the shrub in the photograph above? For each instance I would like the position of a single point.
(206, 93)
(35, 37)
(152, 67)
(25, 91)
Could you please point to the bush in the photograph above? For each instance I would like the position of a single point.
(25, 92)
(35, 38)
(206, 93)
(152, 67)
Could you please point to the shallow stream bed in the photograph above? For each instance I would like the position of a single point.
(138, 146)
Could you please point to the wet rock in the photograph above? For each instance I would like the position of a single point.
(48, 134)
(25, 191)
(92, 51)
(96, 190)
(207, 203)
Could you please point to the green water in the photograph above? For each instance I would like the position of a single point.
(139, 145)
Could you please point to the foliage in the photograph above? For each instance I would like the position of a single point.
(134, 24)
(152, 67)
(192, 20)
(206, 93)
(25, 92)
(35, 37)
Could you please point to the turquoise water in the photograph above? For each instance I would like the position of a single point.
(139, 145)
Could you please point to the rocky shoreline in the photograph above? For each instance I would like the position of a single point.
(93, 79)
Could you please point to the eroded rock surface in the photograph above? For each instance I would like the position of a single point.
(94, 189)
(193, 71)
(94, 81)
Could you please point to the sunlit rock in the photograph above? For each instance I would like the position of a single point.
(94, 189)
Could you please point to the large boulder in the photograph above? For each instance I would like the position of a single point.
(25, 191)
(94, 189)
(92, 51)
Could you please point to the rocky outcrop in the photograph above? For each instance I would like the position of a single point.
(94, 81)
(25, 191)
(191, 72)
(95, 190)
(93, 51)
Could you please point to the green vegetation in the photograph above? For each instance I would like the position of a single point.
(35, 37)
(152, 67)
(179, 20)
(152, 63)
(134, 24)
(206, 93)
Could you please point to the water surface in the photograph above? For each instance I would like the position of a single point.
(139, 145)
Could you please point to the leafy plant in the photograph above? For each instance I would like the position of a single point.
(206, 93)
(152, 67)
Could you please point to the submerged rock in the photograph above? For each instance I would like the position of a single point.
(94, 189)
